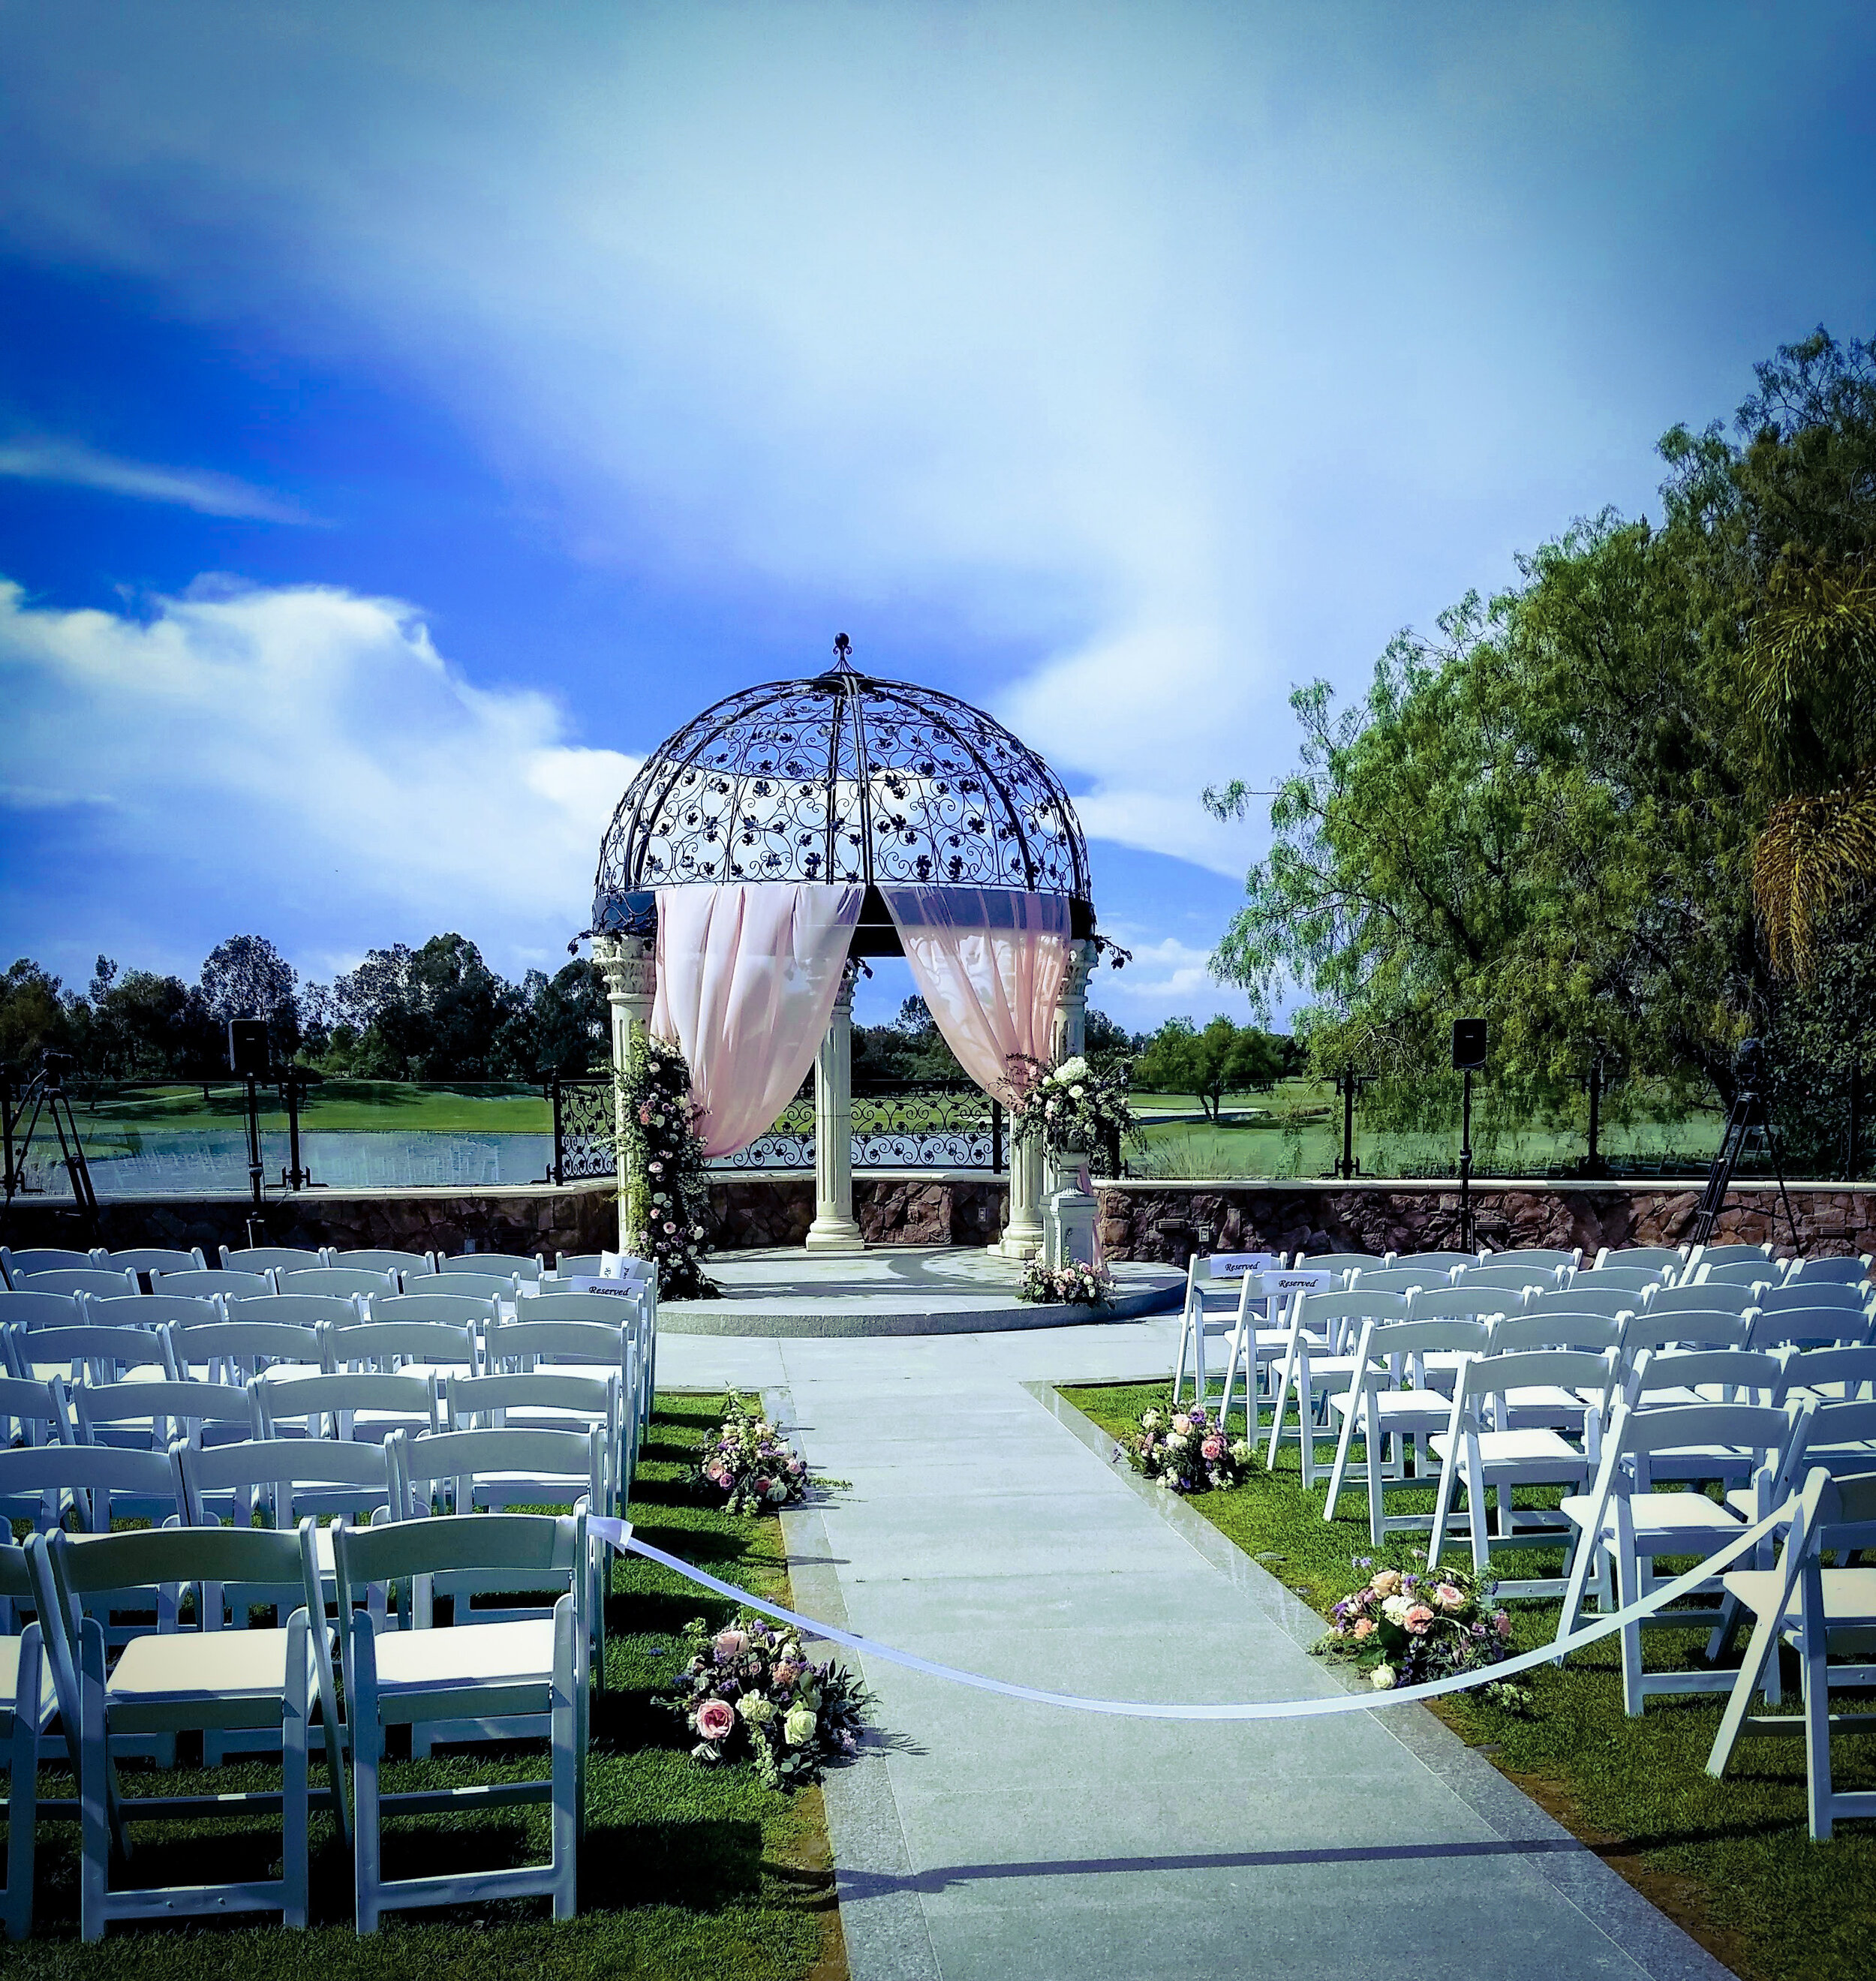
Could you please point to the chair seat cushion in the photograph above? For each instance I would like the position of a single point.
(1537, 1445)
(469, 1654)
(1660, 1517)
(180, 1665)
(9, 1681)
(1399, 1407)
(1849, 1594)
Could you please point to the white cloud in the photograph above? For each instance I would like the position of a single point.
(310, 746)
(200, 489)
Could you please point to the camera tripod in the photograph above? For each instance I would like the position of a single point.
(1751, 1117)
(45, 1095)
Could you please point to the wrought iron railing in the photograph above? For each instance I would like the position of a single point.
(930, 1124)
(584, 1127)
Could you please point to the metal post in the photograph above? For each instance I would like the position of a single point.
(1347, 1082)
(254, 1140)
(7, 1118)
(553, 1094)
(996, 1135)
(1595, 1115)
(1465, 1167)
(292, 1092)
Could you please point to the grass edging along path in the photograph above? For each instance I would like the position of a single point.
(685, 1871)
(1730, 1861)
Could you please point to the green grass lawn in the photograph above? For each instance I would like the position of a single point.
(1729, 1860)
(685, 1871)
(381, 1104)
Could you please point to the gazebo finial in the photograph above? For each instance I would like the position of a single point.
(843, 655)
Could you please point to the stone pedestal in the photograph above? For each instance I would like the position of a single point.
(629, 964)
(1023, 1234)
(834, 1229)
(1069, 1217)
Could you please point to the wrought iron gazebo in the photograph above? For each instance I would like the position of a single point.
(845, 778)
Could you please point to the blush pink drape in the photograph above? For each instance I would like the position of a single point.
(990, 963)
(746, 977)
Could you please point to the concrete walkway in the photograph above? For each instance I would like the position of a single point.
(1014, 1842)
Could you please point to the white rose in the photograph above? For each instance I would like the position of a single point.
(1395, 1607)
(1382, 1678)
(1175, 1441)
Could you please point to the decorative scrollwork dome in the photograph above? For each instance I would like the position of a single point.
(841, 778)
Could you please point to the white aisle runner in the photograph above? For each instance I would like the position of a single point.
(998, 1839)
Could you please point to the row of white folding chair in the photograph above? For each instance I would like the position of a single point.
(166, 1682)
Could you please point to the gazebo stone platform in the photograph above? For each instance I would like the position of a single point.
(902, 1289)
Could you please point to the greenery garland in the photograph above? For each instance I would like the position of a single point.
(667, 1193)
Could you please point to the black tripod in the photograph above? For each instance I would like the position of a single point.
(1750, 1118)
(45, 1095)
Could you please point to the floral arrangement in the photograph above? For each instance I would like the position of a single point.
(1077, 1284)
(1186, 1450)
(670, 1193)
(749, 1692)
(1406, 1627)
(745, 1460)
(1073, 1107)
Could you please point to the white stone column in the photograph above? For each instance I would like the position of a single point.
(1069, 1215)
(630, 965)
(834, 1229)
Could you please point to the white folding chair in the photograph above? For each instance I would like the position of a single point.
(594, 1347)
(526, 1265)
(235, 1351)
(344, 1281)
(1562, 1326)
(1829, 1374)
(17, 1267)
(273, 1258)
(95, 1484)
(1545, 1258)
(1624, 1523)
(406, 1265)
(33, 1412)
(1781, 1322)
(1314, 1364)
(87, 1353)
(141, 1259)
(1853, 1271)
(1516, 1276)
(1445, 1262)
(92, 1280)
(174, 1681)
(1691, 1327)
(547, 1400)
(1740, 1272)
(1814, 1609)
(533, 1669)
(1217, 1286)
(1342, 1262)
(496, 1286)
(364, 1407)
(29, 1702)
(1390, 1403)
(1403, 1279)
(1520, 1419)
(1656, 1258)
(226, 1285)
(151, 1416)
(1753, 1256)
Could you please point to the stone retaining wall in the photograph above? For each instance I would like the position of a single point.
(1168, 1221)
(746, 1212)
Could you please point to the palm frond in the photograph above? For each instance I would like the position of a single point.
(1813, 851)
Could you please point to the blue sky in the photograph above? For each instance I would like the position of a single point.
(408, 415)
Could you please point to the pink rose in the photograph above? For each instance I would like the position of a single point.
(1417, 1620)
(1386, 1582)
(1213, 1447)
(1503, 1623)
(731, 1644)
(715, 1720)
(1448, 1597)
(1365, 1627)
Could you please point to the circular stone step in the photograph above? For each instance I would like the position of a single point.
(895, 1289)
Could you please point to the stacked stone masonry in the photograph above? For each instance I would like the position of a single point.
(1167, 1223)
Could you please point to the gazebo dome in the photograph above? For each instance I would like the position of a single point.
(841, 778)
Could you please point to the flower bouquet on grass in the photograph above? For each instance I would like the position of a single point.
(749, 1693)
(1406, 1628)
(746, 1459)
(1074, 1284)
(1186, 1450)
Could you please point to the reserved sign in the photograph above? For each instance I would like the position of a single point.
(1280, 1286)
(1239, 1265)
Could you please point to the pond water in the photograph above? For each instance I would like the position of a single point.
(214, 1161)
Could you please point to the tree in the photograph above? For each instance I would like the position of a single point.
(33, 1017)
(566, 1026)
(247, 977)
(1224, 1058)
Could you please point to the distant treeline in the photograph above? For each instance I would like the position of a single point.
(435, 1013)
